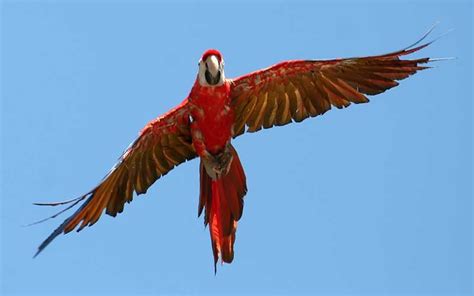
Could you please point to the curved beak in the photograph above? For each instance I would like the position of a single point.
(212, 65)
(213, 73)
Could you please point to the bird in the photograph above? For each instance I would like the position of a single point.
(216, 111)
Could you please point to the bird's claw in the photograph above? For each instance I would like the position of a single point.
(218, 165)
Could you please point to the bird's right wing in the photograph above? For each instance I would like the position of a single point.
(163, 144)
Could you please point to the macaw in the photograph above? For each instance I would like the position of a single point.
(218, 110)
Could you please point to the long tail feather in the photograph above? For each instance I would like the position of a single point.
(223, 202)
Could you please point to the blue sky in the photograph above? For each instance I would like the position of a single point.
(372, 200)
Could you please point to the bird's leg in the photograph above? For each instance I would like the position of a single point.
(224, 160)
(219, 164)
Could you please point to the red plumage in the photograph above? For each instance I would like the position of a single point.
(218, 110)
(223, 201)
(210, 52)
(212, 115)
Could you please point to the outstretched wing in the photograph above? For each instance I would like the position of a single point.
(297, 89)
(163, 144)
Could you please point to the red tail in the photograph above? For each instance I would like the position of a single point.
(223, 200)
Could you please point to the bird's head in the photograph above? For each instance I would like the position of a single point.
(211, 69)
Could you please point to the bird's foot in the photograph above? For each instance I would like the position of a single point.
(218, 165)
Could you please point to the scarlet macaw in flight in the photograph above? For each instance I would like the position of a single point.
(219, 109)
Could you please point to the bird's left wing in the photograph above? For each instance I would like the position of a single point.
(297, 89)
(163, 144)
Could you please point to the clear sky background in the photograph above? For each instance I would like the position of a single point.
(372, 200)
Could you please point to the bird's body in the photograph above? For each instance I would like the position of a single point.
(222, 191)
(212, 117)
(218, 110)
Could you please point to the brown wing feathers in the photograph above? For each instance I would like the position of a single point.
(163, 144)
(286, 92)
(295, 90)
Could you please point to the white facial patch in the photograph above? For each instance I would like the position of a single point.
(212, 65)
